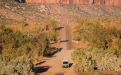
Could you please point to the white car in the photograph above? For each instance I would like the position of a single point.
(65, 63)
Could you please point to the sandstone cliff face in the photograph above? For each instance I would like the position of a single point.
(96, 2)
(113, 2)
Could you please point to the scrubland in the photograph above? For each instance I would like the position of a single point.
(21, 44)
(103, 53)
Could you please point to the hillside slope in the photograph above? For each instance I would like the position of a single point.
(96, 2)
(63, 13)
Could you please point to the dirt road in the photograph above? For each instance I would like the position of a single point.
(53, 65)
(65, 38)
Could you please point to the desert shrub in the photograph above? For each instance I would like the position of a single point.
(45, 43)
(88, 58)
(11, 42)
(97, 31)
(50, 25)
(14, 44)
(19, 66)
(103, 52)
(24, 23)
(18, 49)
(1, 48)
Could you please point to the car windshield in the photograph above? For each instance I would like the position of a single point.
(65, 62)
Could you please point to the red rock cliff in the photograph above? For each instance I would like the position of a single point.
(96, 2)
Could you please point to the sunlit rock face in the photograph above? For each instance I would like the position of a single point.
(96, 2)
(113, 2)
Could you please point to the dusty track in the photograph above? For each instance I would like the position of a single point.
(65, 38)
(53, 65)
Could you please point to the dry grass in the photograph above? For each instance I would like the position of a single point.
(30, 27)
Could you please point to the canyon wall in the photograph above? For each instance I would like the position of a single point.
(96, 2)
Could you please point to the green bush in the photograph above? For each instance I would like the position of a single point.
(97, 32)
(19, 66)
(88, 58)
(104, 51)
(18, 50)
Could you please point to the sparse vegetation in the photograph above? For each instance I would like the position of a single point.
(103, 52)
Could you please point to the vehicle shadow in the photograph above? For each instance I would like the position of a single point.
(41, 69)
(70, 64)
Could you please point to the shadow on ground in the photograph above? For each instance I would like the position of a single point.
(64, 41)
(52, 53)
(70, 64)
(41, 69)
(40, 63)
(59, 28)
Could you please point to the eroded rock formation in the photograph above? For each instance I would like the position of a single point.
(96, 2)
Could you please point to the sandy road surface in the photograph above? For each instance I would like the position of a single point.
(53, 65)
(65, 38)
